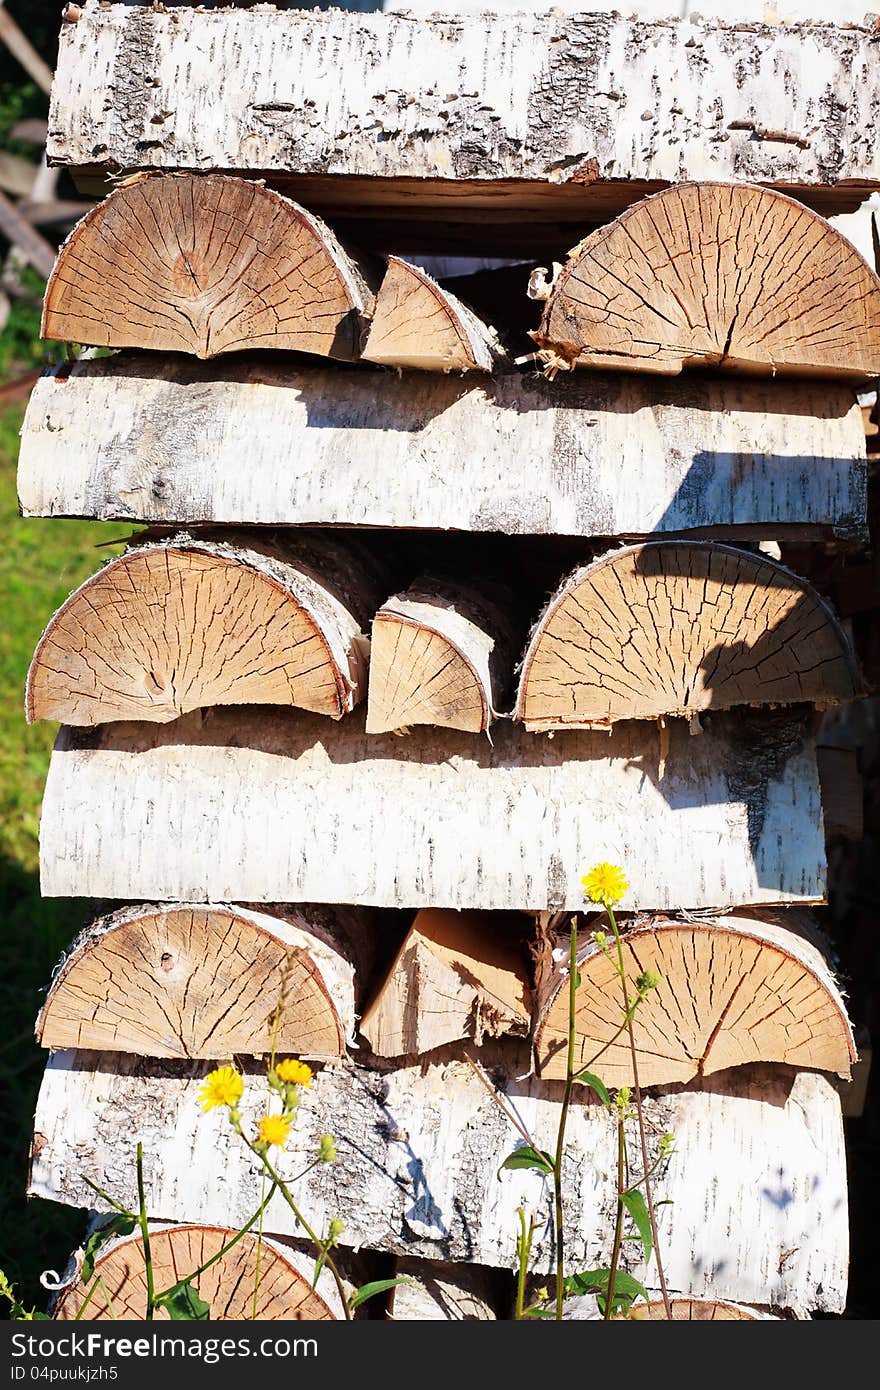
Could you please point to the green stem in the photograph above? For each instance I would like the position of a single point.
(124, 1211)
(259, 1250)
(197, 1273)
(643, 1138)
(145, 1232)
(524, 1251)
(618, 1224)
(315, 1239)
(98, 1283)
(563, 1117)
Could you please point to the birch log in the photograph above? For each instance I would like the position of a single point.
(457, 975)
(585, 1309)
(551, 113)
(190, 622)
(154, 439)
(757, 1179)
(212, 981)
(677, 627)
(232, 1287)
(441, 653)
(443, 1293)
(730, 991)
(715, 275)
(417, 324)
(206, 265)
(286, 807)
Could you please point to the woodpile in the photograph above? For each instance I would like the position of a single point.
(335, 758)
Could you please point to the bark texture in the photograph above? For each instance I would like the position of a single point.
(570, 102)
(189, 623)
(192, 980)
(716, 275)
(457, 975)
(261, 806)
(148, 438)
(677, 627)
(758, 1178)
(206, 265)
(731, 991)
(443, 1293)
(283, 1289)
(441, 653)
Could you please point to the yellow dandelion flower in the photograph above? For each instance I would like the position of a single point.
(274, 1129)
(605, 883)
(222, 1086)
(294, 1073)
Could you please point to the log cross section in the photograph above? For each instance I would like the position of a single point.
(731, 991)
(187, 623)
(676, 627)
(206, 265)
(715, 275)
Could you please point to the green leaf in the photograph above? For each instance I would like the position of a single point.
(539, 1312)
(370, 1290)
(184, 1304)
(588, 1079)
(626, 1287)
(638, 1210)
(527, 1157)
(118, 1226)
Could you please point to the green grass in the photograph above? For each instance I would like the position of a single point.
(40, 562)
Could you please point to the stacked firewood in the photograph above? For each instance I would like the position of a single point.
(444, 598)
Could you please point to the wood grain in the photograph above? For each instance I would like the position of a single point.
(715, 275)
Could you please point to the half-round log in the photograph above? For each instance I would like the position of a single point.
(586, 1309)
(187, 623)
(191, 980)
(676, 627)
(418, 324)
(714, 275)
(284, 1289)
(731, 991)
(441, 653)
(206, 264)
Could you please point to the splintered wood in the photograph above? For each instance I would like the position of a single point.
(231, 1287)
(715, 275)
(256, 804)
(758, 1171)
(677, 627)
(206, 265)
(190, 980)
(417, 324)
(441, 653)
(177, 626)
(457, 975)
(731, 991)
(150, 438)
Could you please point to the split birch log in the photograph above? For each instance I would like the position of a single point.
(757, 1179)
(283, 1289)
(192, 980)
(731, 991)
(417, 324)
(457, 975)
(148, 438)
(443, 1293)
(441, 653)
(683, 1310)
(189, 622)
(715, 275)
(552, 113)
(206, 265)
(281, 806)
(678, 627)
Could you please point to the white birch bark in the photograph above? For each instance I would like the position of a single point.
(259, 806)
(565, 101)
(757, 1179)
(157, 439)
